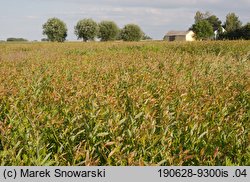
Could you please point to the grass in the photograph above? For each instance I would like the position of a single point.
(146, 103)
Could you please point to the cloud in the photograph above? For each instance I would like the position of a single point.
(32, 17)
(163, 4)
(155, 17)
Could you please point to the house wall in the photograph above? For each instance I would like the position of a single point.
(171, 38)
(180, 38)
(190, 36)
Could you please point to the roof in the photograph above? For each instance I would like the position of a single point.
(173, 33)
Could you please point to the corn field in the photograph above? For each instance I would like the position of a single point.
(133, 104)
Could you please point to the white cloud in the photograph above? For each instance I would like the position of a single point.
(155, 17)
(32, 17)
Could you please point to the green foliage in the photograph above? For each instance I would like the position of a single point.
(55, 30)
(108, 30)
(246, 31)
(233, 27)
(232, 22)
(201, 16)
(16, 40)
(198, 16)
(203, 30)
(44, 40)
(86, 29)
(140, 103)
(119, 36)
(131, 32)
(214, 21)
(241, 33)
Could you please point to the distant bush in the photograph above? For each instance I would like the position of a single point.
(131, 32)
(108, 30)
(16, 39)
(44, 40)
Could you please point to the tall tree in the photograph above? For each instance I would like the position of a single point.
(131, 32)
(206, 20)
(201, 16)
(198, 17)
(86, 29)
(108, 30)
(232, 22)
(214, 21)
(203, 30)
(55, 29)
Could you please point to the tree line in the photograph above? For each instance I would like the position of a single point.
(207, 25)
(13, 39)
(88, 30)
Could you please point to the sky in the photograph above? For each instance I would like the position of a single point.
(24, 18)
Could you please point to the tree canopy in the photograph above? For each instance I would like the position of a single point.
(203, 30)
(233, 28)
(240, 33)
(55, 29)
(201, 16)
(108, 30)
(86, 29)
(232, 22)
(214, 21)
(12, 39)
(131, 32)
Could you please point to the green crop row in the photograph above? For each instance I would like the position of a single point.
(142, 103)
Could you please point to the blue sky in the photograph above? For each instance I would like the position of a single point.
(24, 18)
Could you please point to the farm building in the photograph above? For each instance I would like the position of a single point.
(179, 36)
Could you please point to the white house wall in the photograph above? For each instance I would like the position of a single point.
(190, 36)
